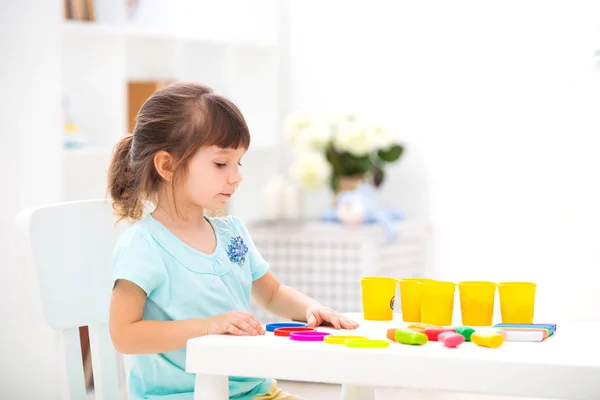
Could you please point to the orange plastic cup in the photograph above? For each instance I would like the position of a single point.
(477, 302)
(517, 302)
(378, 296)
(437, 302)
(410, 297)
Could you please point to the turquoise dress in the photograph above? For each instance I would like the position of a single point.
(181, 283)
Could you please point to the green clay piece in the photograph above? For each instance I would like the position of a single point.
(465, 331)
(408, 336)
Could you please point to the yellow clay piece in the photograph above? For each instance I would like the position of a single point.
(487, 339)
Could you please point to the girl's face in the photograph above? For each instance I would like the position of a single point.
(213, 176)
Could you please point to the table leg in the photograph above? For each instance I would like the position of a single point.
(354, 392)
(211, 387)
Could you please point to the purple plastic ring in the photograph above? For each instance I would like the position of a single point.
(308, 336)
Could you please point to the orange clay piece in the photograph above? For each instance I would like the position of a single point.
(391, 334)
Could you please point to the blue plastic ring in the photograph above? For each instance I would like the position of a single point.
(272, 327)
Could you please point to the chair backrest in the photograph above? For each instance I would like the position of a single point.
(70, 246)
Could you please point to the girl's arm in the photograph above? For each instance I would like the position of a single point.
(133, 335)
(281, 300)
(286, 302)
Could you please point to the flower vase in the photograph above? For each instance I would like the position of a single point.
(348, 183)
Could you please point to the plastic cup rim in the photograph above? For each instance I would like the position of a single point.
(517, 283)
(477, 283)
(416, 279)
(373, 278)
(440, 283)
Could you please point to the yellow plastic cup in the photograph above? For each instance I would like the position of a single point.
(410, 298)
(517, 302)
(437, 302)
(477, 302)
(378, 296)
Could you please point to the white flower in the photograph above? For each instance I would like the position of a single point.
(311, 169)
(352, 137)
(305, 132)
(294, 124)
(380, 138)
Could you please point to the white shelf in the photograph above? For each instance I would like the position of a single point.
(145, 33)
(84, 29)
(88, 151)
(229, 45)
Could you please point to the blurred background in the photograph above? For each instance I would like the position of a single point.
(482, 118)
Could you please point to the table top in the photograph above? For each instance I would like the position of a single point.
(566, 365)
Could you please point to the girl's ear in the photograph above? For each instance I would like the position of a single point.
(163, 162)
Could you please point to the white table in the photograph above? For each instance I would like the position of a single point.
(566, 366)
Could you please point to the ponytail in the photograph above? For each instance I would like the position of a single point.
(123, 187)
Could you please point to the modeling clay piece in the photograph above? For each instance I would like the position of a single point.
(417, 330)
(495, 330)
(367, 343)
(408, 336)
(433, 333)
(340, 339)
(486, 338)
(391, 334)
(450, 339)
(272, 327)
(420, 325)
(288, 331)
(465, 331)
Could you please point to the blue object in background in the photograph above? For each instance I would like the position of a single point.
(371, 211)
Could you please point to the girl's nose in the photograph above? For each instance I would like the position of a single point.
(235, 178)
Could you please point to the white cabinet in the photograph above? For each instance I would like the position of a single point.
(326, 261)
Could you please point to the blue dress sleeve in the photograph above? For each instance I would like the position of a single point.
(258, 265)
(137, 261)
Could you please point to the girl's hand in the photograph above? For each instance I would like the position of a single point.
(317, 315)
(236, 323)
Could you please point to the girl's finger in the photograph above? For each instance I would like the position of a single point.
(335, 321)
(234, 330)
(348, 320)
(348, 324)
(312, 321)
(253, 322)
(246, 327)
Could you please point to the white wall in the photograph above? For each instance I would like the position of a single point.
(30, 172)
(497, 104)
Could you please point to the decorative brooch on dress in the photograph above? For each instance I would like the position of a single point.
(237, 250)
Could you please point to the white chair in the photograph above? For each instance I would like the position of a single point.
(70, 246)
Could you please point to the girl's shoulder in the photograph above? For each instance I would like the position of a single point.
(139, 233)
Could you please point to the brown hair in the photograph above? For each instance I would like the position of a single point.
(179, 118)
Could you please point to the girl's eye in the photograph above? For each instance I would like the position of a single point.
(219, 165)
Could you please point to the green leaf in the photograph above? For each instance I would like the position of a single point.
(333, 181)
(334, 159)
(392, 154)
(352, 165)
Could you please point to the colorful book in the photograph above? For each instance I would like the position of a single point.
(527, 332)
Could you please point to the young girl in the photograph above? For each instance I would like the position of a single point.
(177, 273)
